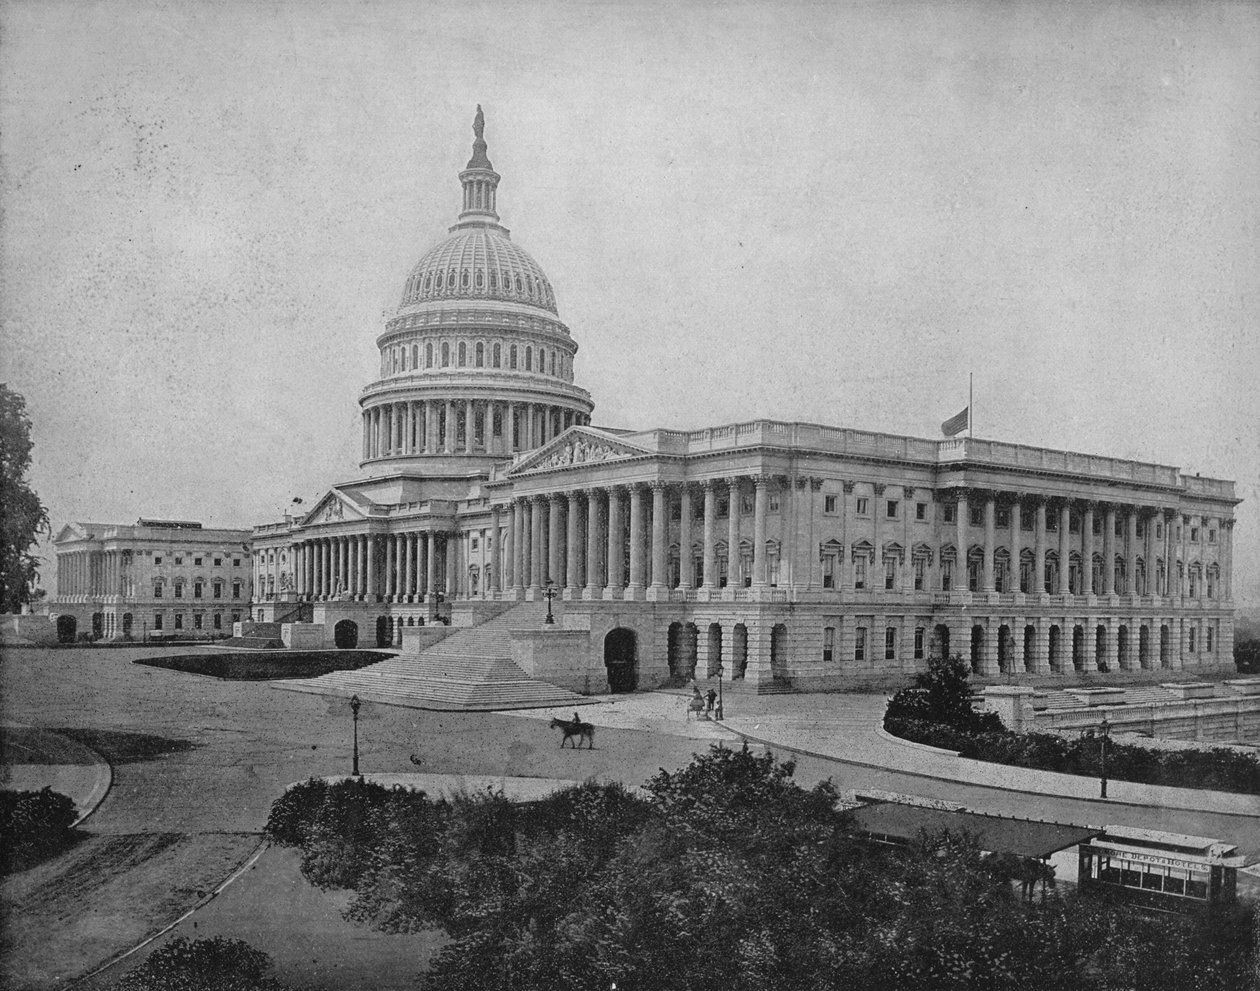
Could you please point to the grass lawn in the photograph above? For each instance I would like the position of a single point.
(269, 666)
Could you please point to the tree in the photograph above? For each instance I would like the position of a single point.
(941, 694)
(23, 518)
(217, 964)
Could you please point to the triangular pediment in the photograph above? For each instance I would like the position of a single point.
(71, 531)
(575, 447)
(334, 507)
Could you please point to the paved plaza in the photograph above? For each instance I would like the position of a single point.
(194, 764)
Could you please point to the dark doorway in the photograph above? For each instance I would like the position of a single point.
(682, 651)
(941, 636)
(384, 630)
(1165, 646)
(1006, 647)
(739, 651)
(98, 625)
(621, 660)
(1056, 649)
(1100, 648)
(346, 634)
(715, 650)
(977, 647)
(67, 627)
(1078, 648)
(778, 651)
(128, 622)
(1144, 647)
(1030, 641)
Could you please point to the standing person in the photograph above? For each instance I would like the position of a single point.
(710, 697)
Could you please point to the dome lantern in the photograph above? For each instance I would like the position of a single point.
(480, 181)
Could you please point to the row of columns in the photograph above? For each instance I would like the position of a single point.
(401, 567)
(462, 426)
(99, 572)
(614, 542)
(1149, 547)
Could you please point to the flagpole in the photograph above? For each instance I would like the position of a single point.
(971, 403)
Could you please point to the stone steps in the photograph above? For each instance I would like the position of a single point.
(470, 670)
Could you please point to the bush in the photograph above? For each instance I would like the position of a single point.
(941, 695)
(35, 825)
(216, 964)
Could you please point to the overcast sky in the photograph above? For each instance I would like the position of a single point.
(821, 212)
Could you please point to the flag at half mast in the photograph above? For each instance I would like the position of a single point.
(957, 423)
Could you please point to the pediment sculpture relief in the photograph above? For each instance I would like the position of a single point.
(579, 452)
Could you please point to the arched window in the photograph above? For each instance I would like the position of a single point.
(480, 279)
(529, 358)
(512, 357)
(446, 353)
(494, 280)
(403, 357)
(481, 354)
(415, 356)
(542, 360)
(463, 279)
(553, 363)
(519, 285)
(428, 282)
(498, 355)
(463, 354)
(450, 279)
(428, 355)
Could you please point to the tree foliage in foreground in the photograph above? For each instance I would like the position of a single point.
(723, 875)
(217, 964)
(22, 516)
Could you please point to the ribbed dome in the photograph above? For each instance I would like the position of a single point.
(478, 262)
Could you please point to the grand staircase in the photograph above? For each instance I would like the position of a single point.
(470, 670)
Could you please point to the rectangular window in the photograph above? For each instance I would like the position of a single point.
(890, 574)
(723, 508)
(197, 590)
(1159, 531)
(197, 621)
(746, 505)
(179, 559)
(859, 644)
(1002, 518)
(218, 562)
(197, 562)
(179, 590)
(157, 620)
(236, 590)
(829, 504)
(1211, 536)
(157, 590)
(890, 643)
(179, 621)
(1052, 522)
(890, 510)
(1193, 638)
(1098, 525)
(1026, 521)
(976, 514)
(1119, 527)
(1141, 530)
(947, 575)
(829, 643)
(918, 643)
(157, 558)
(236, 562)
(859, 573)
(218, 590)
(920, 574)
(950, 513)
(920, 511)
(1209, 640)
(829, 571)
(1194, 535)
(218, 621)
(474, 543)
(863, 506)
(236, 616)
(1074, 524)
(773, 502)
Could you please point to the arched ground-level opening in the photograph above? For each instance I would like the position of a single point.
(128, 622)
(739, 651)
(1078, 648)
(1144, 647)
(682, 651)
(1030, 643)
(1056, 649)
(67, 627)
(98, 625)
(1122, 649)
(715, 650)
(1006, 644)
(977, 647)
(940, 641)
(1165, 646)
(346, 634)
(778, 651)
(1100, 649)
(621, 660)
(383, 630)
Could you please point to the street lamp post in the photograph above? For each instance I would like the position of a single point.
(549, 593)
(354, 708)
(718, 714)
(1104, 734)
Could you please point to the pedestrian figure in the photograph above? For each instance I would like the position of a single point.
(695, 704)
(710, 697)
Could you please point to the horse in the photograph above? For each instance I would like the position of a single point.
(695, 704)
(575, 728)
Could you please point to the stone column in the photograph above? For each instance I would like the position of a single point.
(430, 566)
(369, 550)
(509, 429)
(573, 545)
(761, 498)
(660, 537)
(487, 427)
(448, 442)
(1131, 551)
(1065, 547)
(409, 566)
(388, 577)
(594, 537)
(554, 531)
(536, 577)
(470, 427)
(709, 578)
(360, 567)
(1227, 562)
(686, 563)
(1087, 546)
(1017, 536)
(637, 564)
(452, 558)
(1109, 549)
(1039, 559)
(990, 541)
(960, 541)
(520, 537)
(616, 562)
(496, 557)
(732, 533)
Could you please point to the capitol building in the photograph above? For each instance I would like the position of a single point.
(791, 555)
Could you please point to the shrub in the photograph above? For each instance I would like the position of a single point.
(217, 964)
(941, 695)
(35, 825)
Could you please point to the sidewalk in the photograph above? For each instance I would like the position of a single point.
(848, 727)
